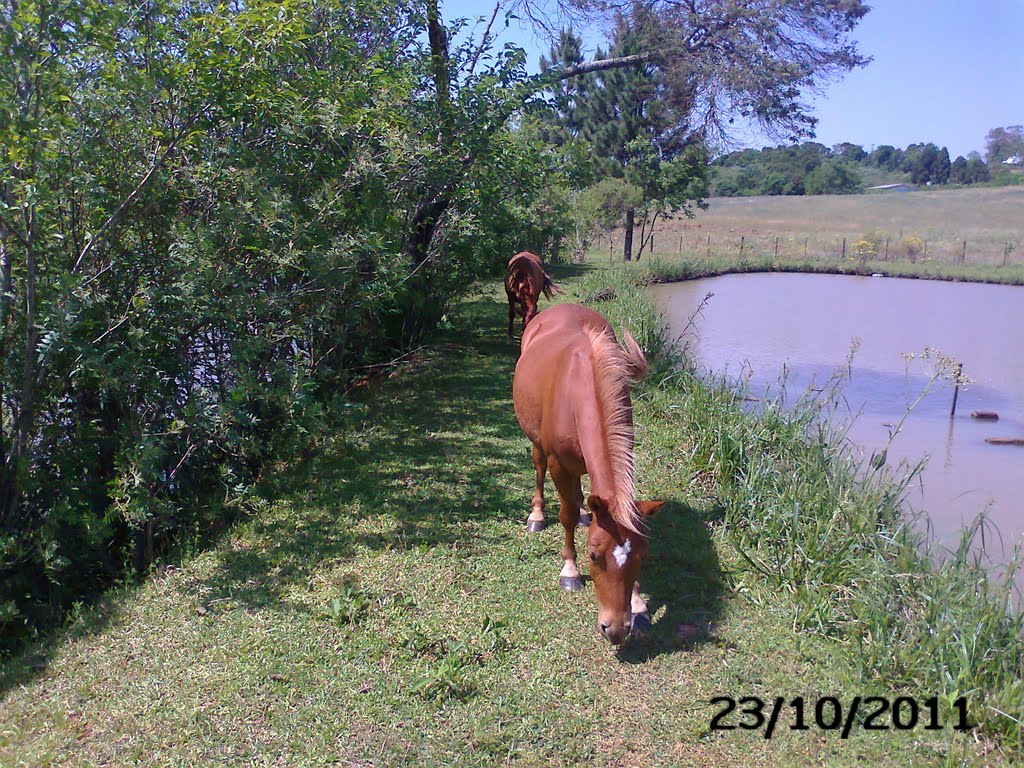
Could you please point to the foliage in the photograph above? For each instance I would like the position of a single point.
(1004, 142)
(624, 117)
(207, 225)
(813, 169)
(832, 177)
(675, 78)
(604, 203)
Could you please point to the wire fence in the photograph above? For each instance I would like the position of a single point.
(794, 247)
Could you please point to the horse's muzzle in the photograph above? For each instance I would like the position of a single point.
(614, 634)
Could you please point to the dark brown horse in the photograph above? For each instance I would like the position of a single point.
(571, 396)
(525, 282)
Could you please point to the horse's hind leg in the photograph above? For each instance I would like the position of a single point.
(529, 311)
(535, 522)
(569, 496)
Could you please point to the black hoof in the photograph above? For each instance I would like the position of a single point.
(584, 521)
(535, 526)
(641, 624)
(570, 583)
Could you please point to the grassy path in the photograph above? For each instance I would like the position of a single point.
(383, 605)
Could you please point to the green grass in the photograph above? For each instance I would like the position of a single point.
(382, 604)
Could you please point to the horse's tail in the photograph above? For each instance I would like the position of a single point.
(550, 289)
(636, 364)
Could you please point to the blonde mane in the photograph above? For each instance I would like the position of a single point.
(614, 367)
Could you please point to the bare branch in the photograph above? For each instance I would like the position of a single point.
(601, 65)
(8, 229)
(483, 41)
(118, 214)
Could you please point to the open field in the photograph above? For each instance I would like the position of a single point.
(383, 605)
(927, 227)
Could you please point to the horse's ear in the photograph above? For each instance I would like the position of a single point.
(597, 505)
(649, 508)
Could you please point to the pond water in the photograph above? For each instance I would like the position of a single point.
(783, 333)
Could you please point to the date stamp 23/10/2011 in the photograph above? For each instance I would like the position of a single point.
(828, 713)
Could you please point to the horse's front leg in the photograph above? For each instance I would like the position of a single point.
(638, 607)
(535, 522)
(570, 495)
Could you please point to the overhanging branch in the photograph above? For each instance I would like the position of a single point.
(601, 65)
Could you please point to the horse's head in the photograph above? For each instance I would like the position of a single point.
(616, 554)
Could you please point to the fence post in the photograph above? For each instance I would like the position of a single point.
(680, 245)
(956, 389)
(776, 247)
(886, 249)
(963, 254)
(844, 249)
(742, 238)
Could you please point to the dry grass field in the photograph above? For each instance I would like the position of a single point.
(923, 225)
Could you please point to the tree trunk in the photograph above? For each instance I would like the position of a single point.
(438, 38)
(627, 240)
(421, 306)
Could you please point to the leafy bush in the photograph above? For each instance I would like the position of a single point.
(211, 222)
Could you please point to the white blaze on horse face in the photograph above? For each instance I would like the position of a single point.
(621, 553)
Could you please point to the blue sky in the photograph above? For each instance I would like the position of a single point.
(944, 71)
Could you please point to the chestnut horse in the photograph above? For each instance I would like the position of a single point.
(525, 282)
(571, 397)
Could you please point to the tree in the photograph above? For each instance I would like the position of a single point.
(668, 186)
(958, 171)
(603, 205)
(977, 171)
(775, 184)
(728, 61)
(852, 152)
(941, 167)
(832, 177)
(886, 157)
(1001, 143)
(704, 67)
(183, 254)
(563, 110)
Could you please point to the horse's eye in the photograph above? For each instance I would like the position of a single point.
(593, 556)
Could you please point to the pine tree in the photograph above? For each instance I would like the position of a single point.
(617, 111)
(562, 112)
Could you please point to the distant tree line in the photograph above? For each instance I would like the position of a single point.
(814, 169)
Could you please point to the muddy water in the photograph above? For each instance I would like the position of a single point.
(785, 333)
